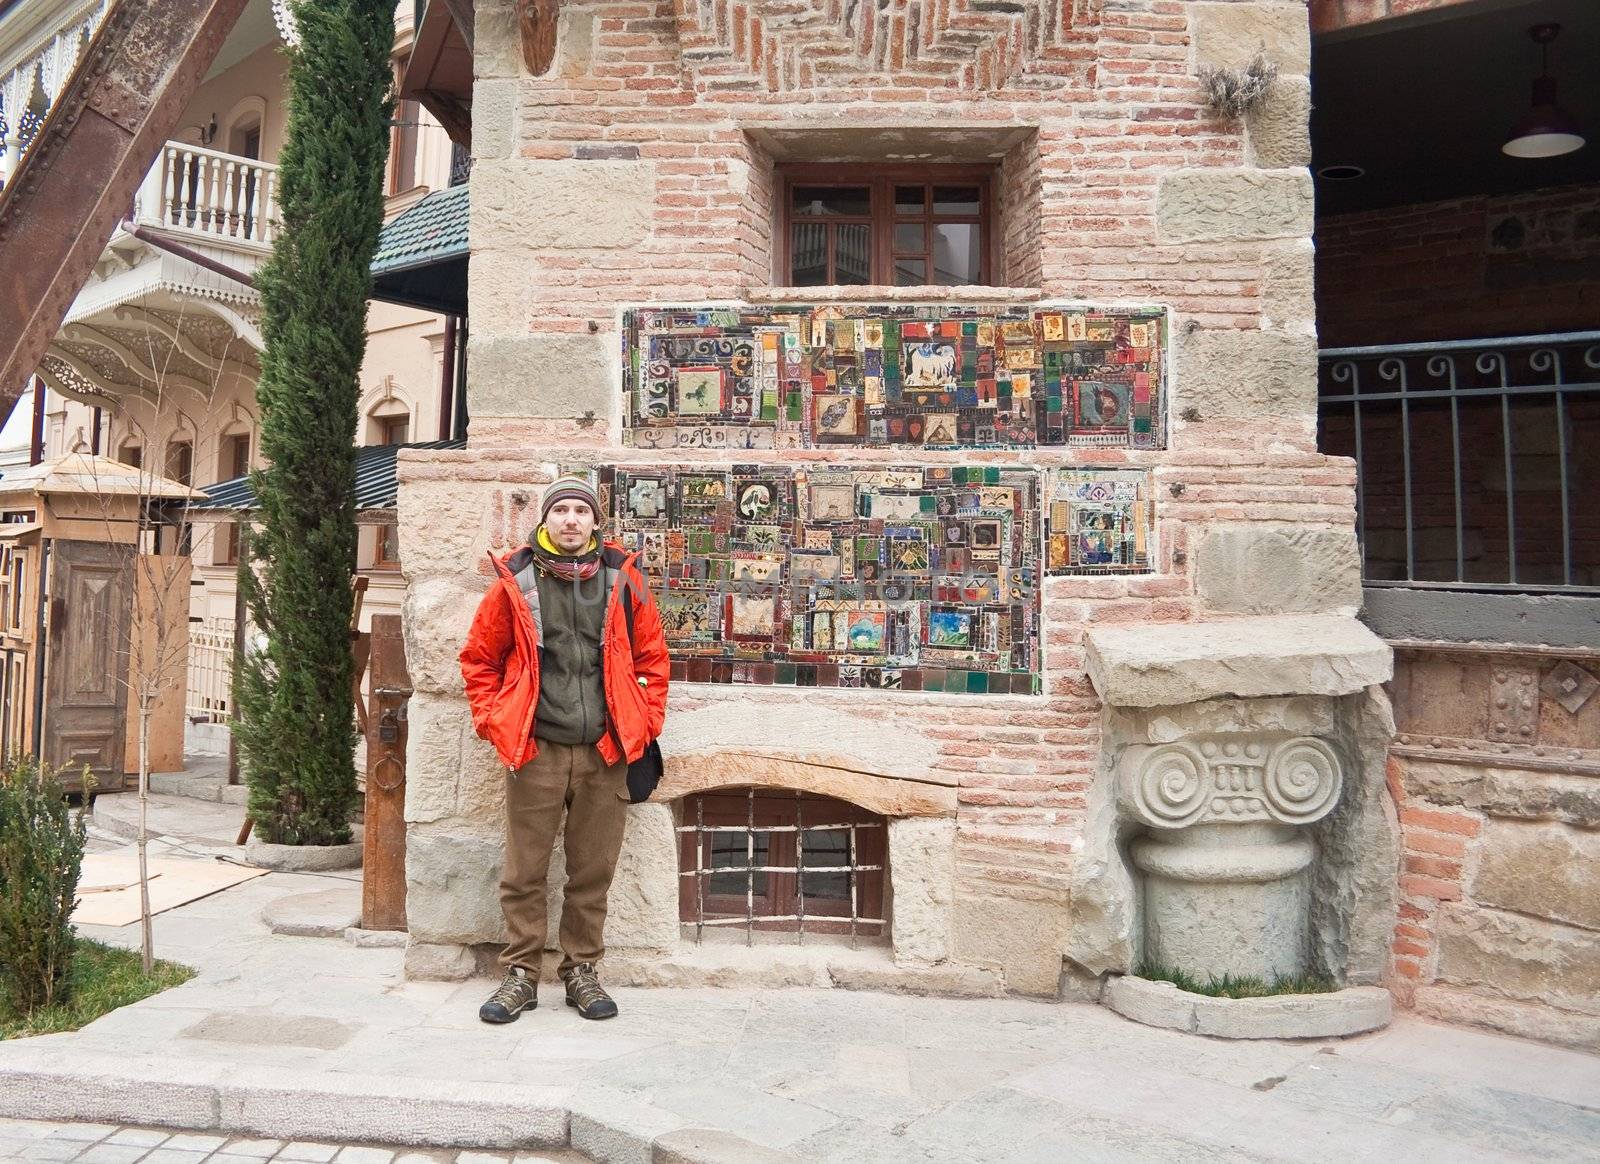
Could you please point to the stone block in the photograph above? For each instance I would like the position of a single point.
(481, 785)
(437, 614)
(1286, 1016)
(1263, 569)
(1169, 664)
(1279, 127)
(325, 914)
(1545, 869)
(436, 728)
(922, 871)
(581, 205)
(1531, 1020)
(1248, 374)
(494, 116)
(500, 279)
(1287, 283)
(1228, 35)
(453, 888)
(1295, 1016)
(1217, 205)
(1021, 937)
(642, 908)
(429, 962)
(1513, 793)
(824, 736)
(1517, 957)
(564, 375)
(445, 527)
(496, 45)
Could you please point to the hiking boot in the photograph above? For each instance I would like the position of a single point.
(586, 994)
(515, 994)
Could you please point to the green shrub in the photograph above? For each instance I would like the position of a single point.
(41, 856)
(1229, 986)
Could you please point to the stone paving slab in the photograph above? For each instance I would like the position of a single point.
(316, 1038)
(24, 1141)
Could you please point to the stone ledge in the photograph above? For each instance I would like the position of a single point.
(1171, 664)
(1284, 1016)
(886, 795)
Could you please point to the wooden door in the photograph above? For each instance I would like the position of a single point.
(86, 659)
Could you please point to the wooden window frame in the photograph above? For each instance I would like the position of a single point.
(385, 425)
(881, 218)
(380, 560)
(181, 451)
(777, 808)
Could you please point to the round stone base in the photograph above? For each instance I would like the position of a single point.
(304, 858)
(1282, 1016)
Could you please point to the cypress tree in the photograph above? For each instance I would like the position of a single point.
(295, 725)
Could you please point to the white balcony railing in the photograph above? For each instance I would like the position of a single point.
(211, 195)
(210, 679)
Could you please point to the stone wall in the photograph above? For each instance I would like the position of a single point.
(640, 171)
(1497, 773)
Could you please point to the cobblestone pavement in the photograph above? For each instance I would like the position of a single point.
(24, 1141)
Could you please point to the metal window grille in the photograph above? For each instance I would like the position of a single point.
(781, 862)
(1473, 460)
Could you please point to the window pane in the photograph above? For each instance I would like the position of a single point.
(830, 200)
(957, 253)
(827, 849)
(955, 200)
(910, 238)
(910, 272)
(729, 850)
(808, 254)
(852, 253)
(910, 199)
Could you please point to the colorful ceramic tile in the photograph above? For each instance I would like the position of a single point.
(885, 577)
(1102, 521)
(886, 376)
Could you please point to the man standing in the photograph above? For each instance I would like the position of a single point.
(566, 671)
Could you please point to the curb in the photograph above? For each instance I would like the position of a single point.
(612, 1127)
(1351, 1011)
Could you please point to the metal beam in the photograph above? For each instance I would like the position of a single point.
(77, 180)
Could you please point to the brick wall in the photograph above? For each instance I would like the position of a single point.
(1496, 782)
(1331, 15)
(639, 171)
(1521, 264)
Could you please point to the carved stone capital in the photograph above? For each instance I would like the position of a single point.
(1230, 779)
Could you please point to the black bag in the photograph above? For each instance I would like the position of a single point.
(645, 772)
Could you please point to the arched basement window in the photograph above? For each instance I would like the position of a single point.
(773, 862)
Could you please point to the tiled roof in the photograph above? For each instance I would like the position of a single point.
(432, 230)
(375, 479)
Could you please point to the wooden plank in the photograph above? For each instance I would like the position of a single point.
(383, 883)
(78, 179)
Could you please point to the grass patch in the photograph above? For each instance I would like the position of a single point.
(1230, 987)
(101, 979)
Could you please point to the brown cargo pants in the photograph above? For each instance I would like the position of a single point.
(570, 778)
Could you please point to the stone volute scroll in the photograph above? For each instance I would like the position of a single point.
(1223, 863)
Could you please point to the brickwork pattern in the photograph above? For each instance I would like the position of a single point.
(1467, 268)
(649, 150)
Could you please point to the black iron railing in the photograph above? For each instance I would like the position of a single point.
(1477, 461)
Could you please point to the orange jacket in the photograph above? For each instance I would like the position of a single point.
(500, 662)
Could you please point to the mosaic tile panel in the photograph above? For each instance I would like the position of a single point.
(893, 376)
(917, 579)
(1102, 521)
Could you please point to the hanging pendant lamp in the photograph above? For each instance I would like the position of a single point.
(1546, 130)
